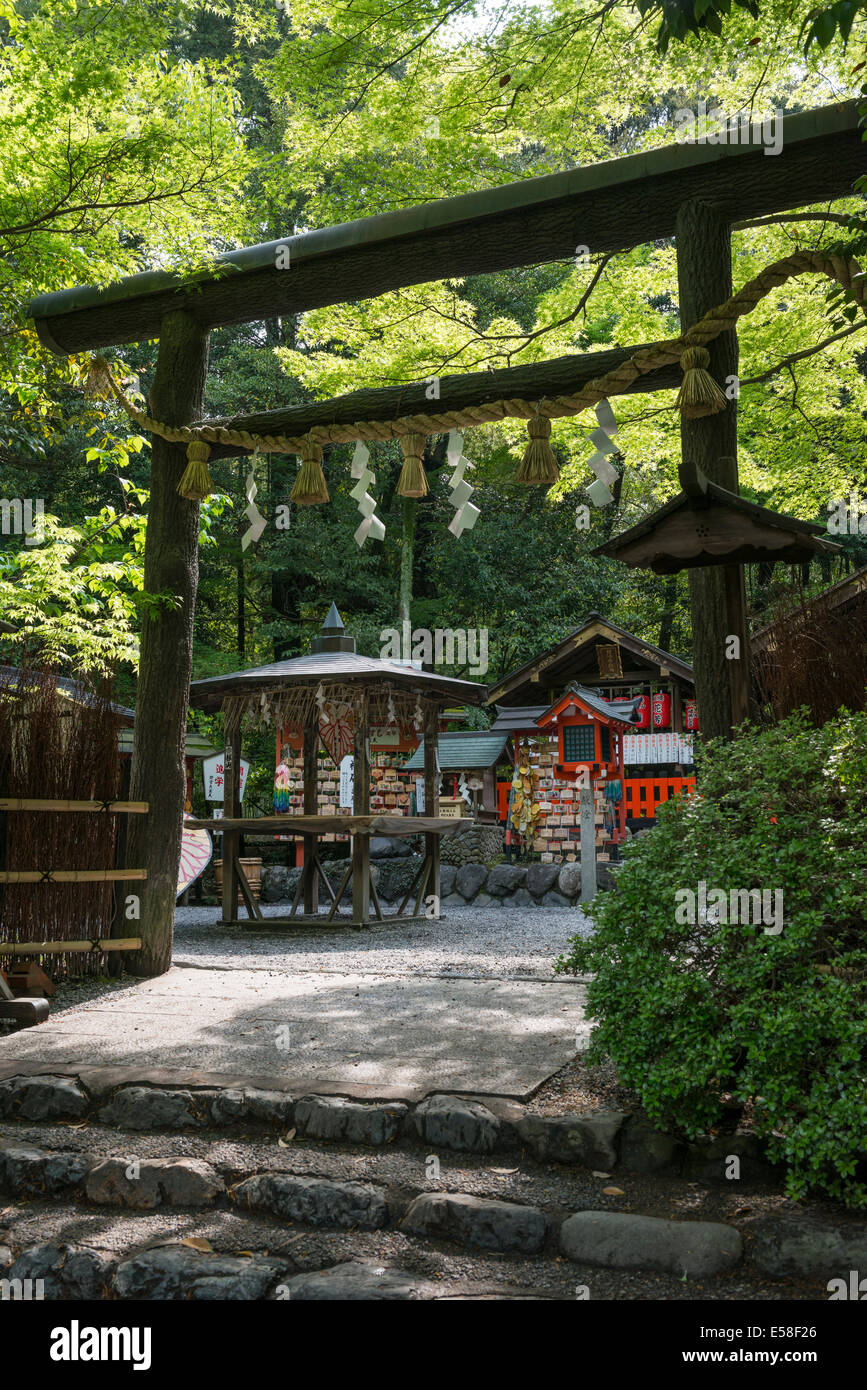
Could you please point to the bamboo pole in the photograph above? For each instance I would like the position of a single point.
(71, 875)
(57, 948)
(26, 803)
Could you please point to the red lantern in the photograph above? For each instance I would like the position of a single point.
(691, 716)
(643, 721)
(661, 710)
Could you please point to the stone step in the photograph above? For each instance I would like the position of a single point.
(599, 1140)
(530, 1212)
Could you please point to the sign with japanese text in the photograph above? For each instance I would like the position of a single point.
(215, 777)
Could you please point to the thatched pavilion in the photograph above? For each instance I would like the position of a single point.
(333, 695)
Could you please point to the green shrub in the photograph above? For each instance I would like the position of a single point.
(699, 1015)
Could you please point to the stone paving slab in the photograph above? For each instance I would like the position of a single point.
(406, 1034)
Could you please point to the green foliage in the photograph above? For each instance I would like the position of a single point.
(695, 1014)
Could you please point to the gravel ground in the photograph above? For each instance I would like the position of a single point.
(488, 943)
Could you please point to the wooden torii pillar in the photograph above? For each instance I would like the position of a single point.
(717, 593)
(171, 565)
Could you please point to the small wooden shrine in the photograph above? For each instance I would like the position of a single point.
(705, 524)
(334, 696)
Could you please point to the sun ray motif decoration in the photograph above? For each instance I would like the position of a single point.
(336, 725)
(196, 850)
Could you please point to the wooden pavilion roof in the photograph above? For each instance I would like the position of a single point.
(334, 668)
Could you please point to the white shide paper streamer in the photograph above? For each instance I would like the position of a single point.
(257, 520)
(599, 492)
(466, 514)
(371, 525)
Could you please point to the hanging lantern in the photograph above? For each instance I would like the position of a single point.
(661, 710)
(691, 716)
(643, 720)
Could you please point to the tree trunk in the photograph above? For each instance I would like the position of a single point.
(242, 620)
(704, 278)
(171, 566)
(666, 622)
(407, 548)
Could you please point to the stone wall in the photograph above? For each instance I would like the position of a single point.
(473, 843)
(504, 885)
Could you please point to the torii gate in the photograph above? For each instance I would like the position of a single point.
(692, 192)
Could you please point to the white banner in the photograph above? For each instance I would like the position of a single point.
(347, 780)
(655, 749)
(215, 777)
(419, 796)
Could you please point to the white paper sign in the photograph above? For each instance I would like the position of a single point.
(419, 796)
(215, 777)
(347, 780)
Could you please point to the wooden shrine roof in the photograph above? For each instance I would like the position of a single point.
(574, 657)
(705, 524)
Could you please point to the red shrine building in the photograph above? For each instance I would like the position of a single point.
(600, 707)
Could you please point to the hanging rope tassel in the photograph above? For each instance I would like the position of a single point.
(699, 394)
(98, 375)
(310, 486)
(539, 464)
(413, 480)
(197, 483)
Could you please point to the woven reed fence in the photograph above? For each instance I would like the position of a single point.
(54, 747)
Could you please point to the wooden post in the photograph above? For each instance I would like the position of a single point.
(432, 798)
(717, 598)
(171, 567)
(361, 807)
(309, 875)
(118, 925)
(588, 842)
(231, 809)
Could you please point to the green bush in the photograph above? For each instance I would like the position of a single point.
(698, 1016)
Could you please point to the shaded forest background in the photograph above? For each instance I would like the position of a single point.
(158, 134)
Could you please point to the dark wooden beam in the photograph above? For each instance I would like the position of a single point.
(608, 206)
(534, 381)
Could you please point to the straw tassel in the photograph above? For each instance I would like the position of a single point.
(310, 486)
(197, 483)
(539, 464)
(97, 378)
(413, 480)
(699, 394)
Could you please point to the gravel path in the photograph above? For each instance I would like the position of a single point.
(486, 943)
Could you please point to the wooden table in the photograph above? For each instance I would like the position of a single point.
(311, 828)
